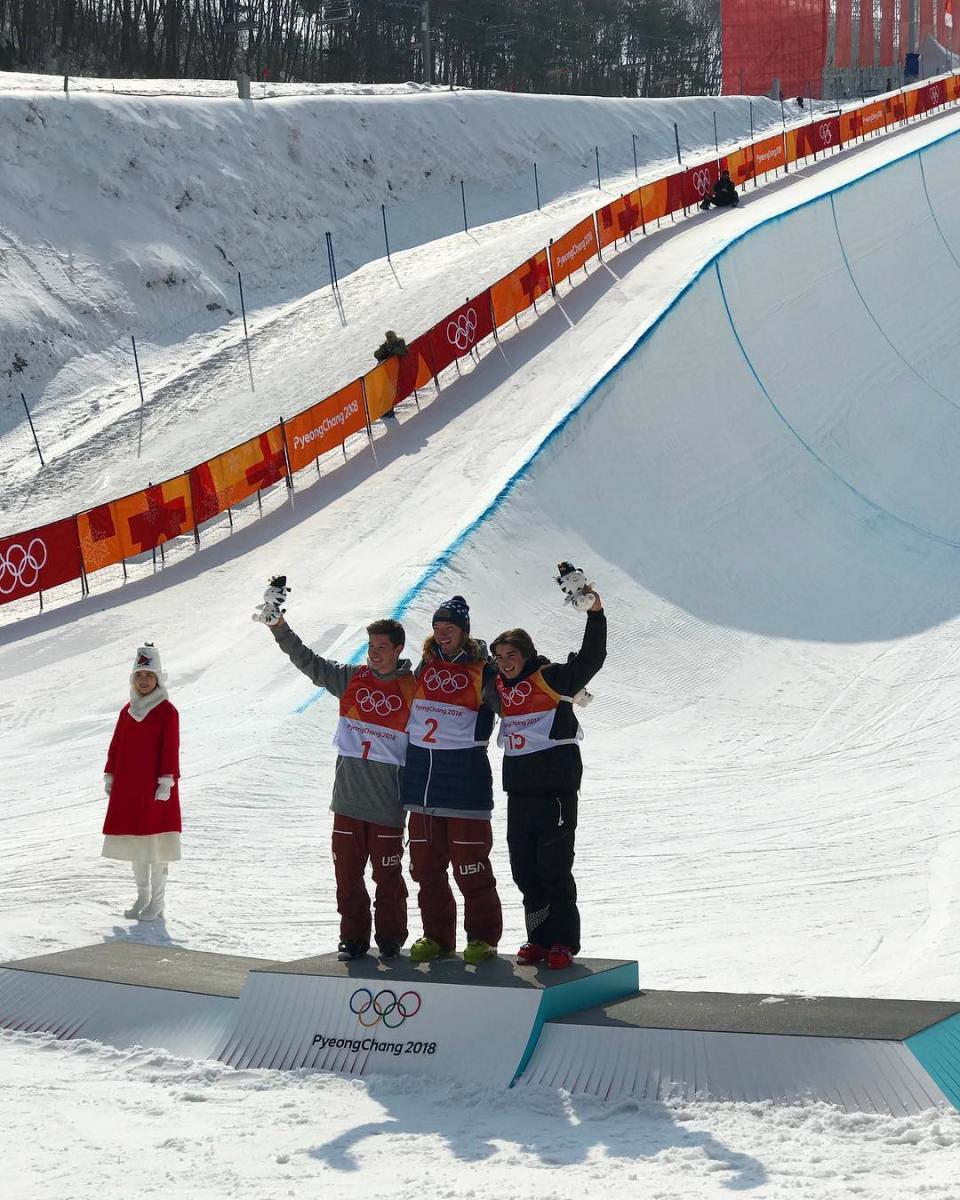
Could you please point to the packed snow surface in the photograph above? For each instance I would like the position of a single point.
(762, 488)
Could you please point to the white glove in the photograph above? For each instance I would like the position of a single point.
(164, 787)
(107, 783)
(270, 612)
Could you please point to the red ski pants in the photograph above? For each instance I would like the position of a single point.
(354, 842)
(464, 844)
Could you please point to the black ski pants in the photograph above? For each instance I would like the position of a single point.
(541, 831)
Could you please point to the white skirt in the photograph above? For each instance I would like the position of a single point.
(145, 848)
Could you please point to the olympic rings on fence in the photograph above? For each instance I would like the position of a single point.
(19, 567)
(385, 1006)
(447, 682)
(462, 331)
(702, 182)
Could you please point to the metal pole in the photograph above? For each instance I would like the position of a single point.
(243, 310)
(386, 238)
(676, 135)
(596, 151)
(425, 30)
(136, 362)
(716, 139)
(463, 201)
(334, 281)
(32, 430)
(536, 184)
(635, 169)
(753, 153)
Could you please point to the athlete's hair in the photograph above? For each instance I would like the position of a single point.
(471, 648)
(519, 639)
(393, 629)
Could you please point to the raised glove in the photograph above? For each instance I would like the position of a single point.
(573, 584)
(107, 783)
(164, 787)
(271, 610)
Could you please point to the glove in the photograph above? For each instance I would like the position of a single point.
(583, 698)
(573, 583)
(271, 611)
(107, 783)
(164, 787)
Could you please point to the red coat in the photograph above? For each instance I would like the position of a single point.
(140, 752)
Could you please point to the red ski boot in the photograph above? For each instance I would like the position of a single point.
(530, 954)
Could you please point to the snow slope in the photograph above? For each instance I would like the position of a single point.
(769, 765)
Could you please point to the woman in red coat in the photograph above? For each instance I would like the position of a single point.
(142, 824)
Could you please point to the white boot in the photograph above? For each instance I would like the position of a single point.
(141, 873)
(158, 886)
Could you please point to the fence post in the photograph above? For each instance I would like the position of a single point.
(136, 362)
(332, 263)
(246, 339)
(676, 135)
(716, 138)
(536, 184)
(386, 238)
(286, 459)
(636, 171)
(596, 151)
(463, 201)
(32, 430)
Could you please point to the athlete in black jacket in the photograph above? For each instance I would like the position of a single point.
(542, 769)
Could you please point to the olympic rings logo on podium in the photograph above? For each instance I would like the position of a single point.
(461, 332)
(19, 567)
(448, 682)
(385, 1006)
(515, 696)
(378, 702)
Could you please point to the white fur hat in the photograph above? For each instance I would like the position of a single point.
(148, 659)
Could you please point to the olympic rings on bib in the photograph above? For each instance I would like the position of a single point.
(515, 696)
(442, 680)
(378, 702)
(19, 567)
(385, 1006)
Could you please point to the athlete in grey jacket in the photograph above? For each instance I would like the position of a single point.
(371, 741)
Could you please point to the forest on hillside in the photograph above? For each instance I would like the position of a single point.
(588, 47)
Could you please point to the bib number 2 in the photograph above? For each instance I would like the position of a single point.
(432, 726)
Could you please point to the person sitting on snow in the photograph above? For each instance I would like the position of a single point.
(724, 194)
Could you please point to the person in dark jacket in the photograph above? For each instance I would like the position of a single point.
(542, 769)
(447, 789)
(391, 347)
(724, 194)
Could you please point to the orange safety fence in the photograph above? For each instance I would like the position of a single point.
(229, 478)
(49, 555)
(39, 559)
(325, 426)
(769, 154)
(142, 521)
(739, 163)
(514, 293)
(460, 331)
(661, 197)
(619, 218)
(394, 380)
(574, 249)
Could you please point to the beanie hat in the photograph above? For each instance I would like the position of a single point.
(456, 611)
(519, 639)
(148, 659)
